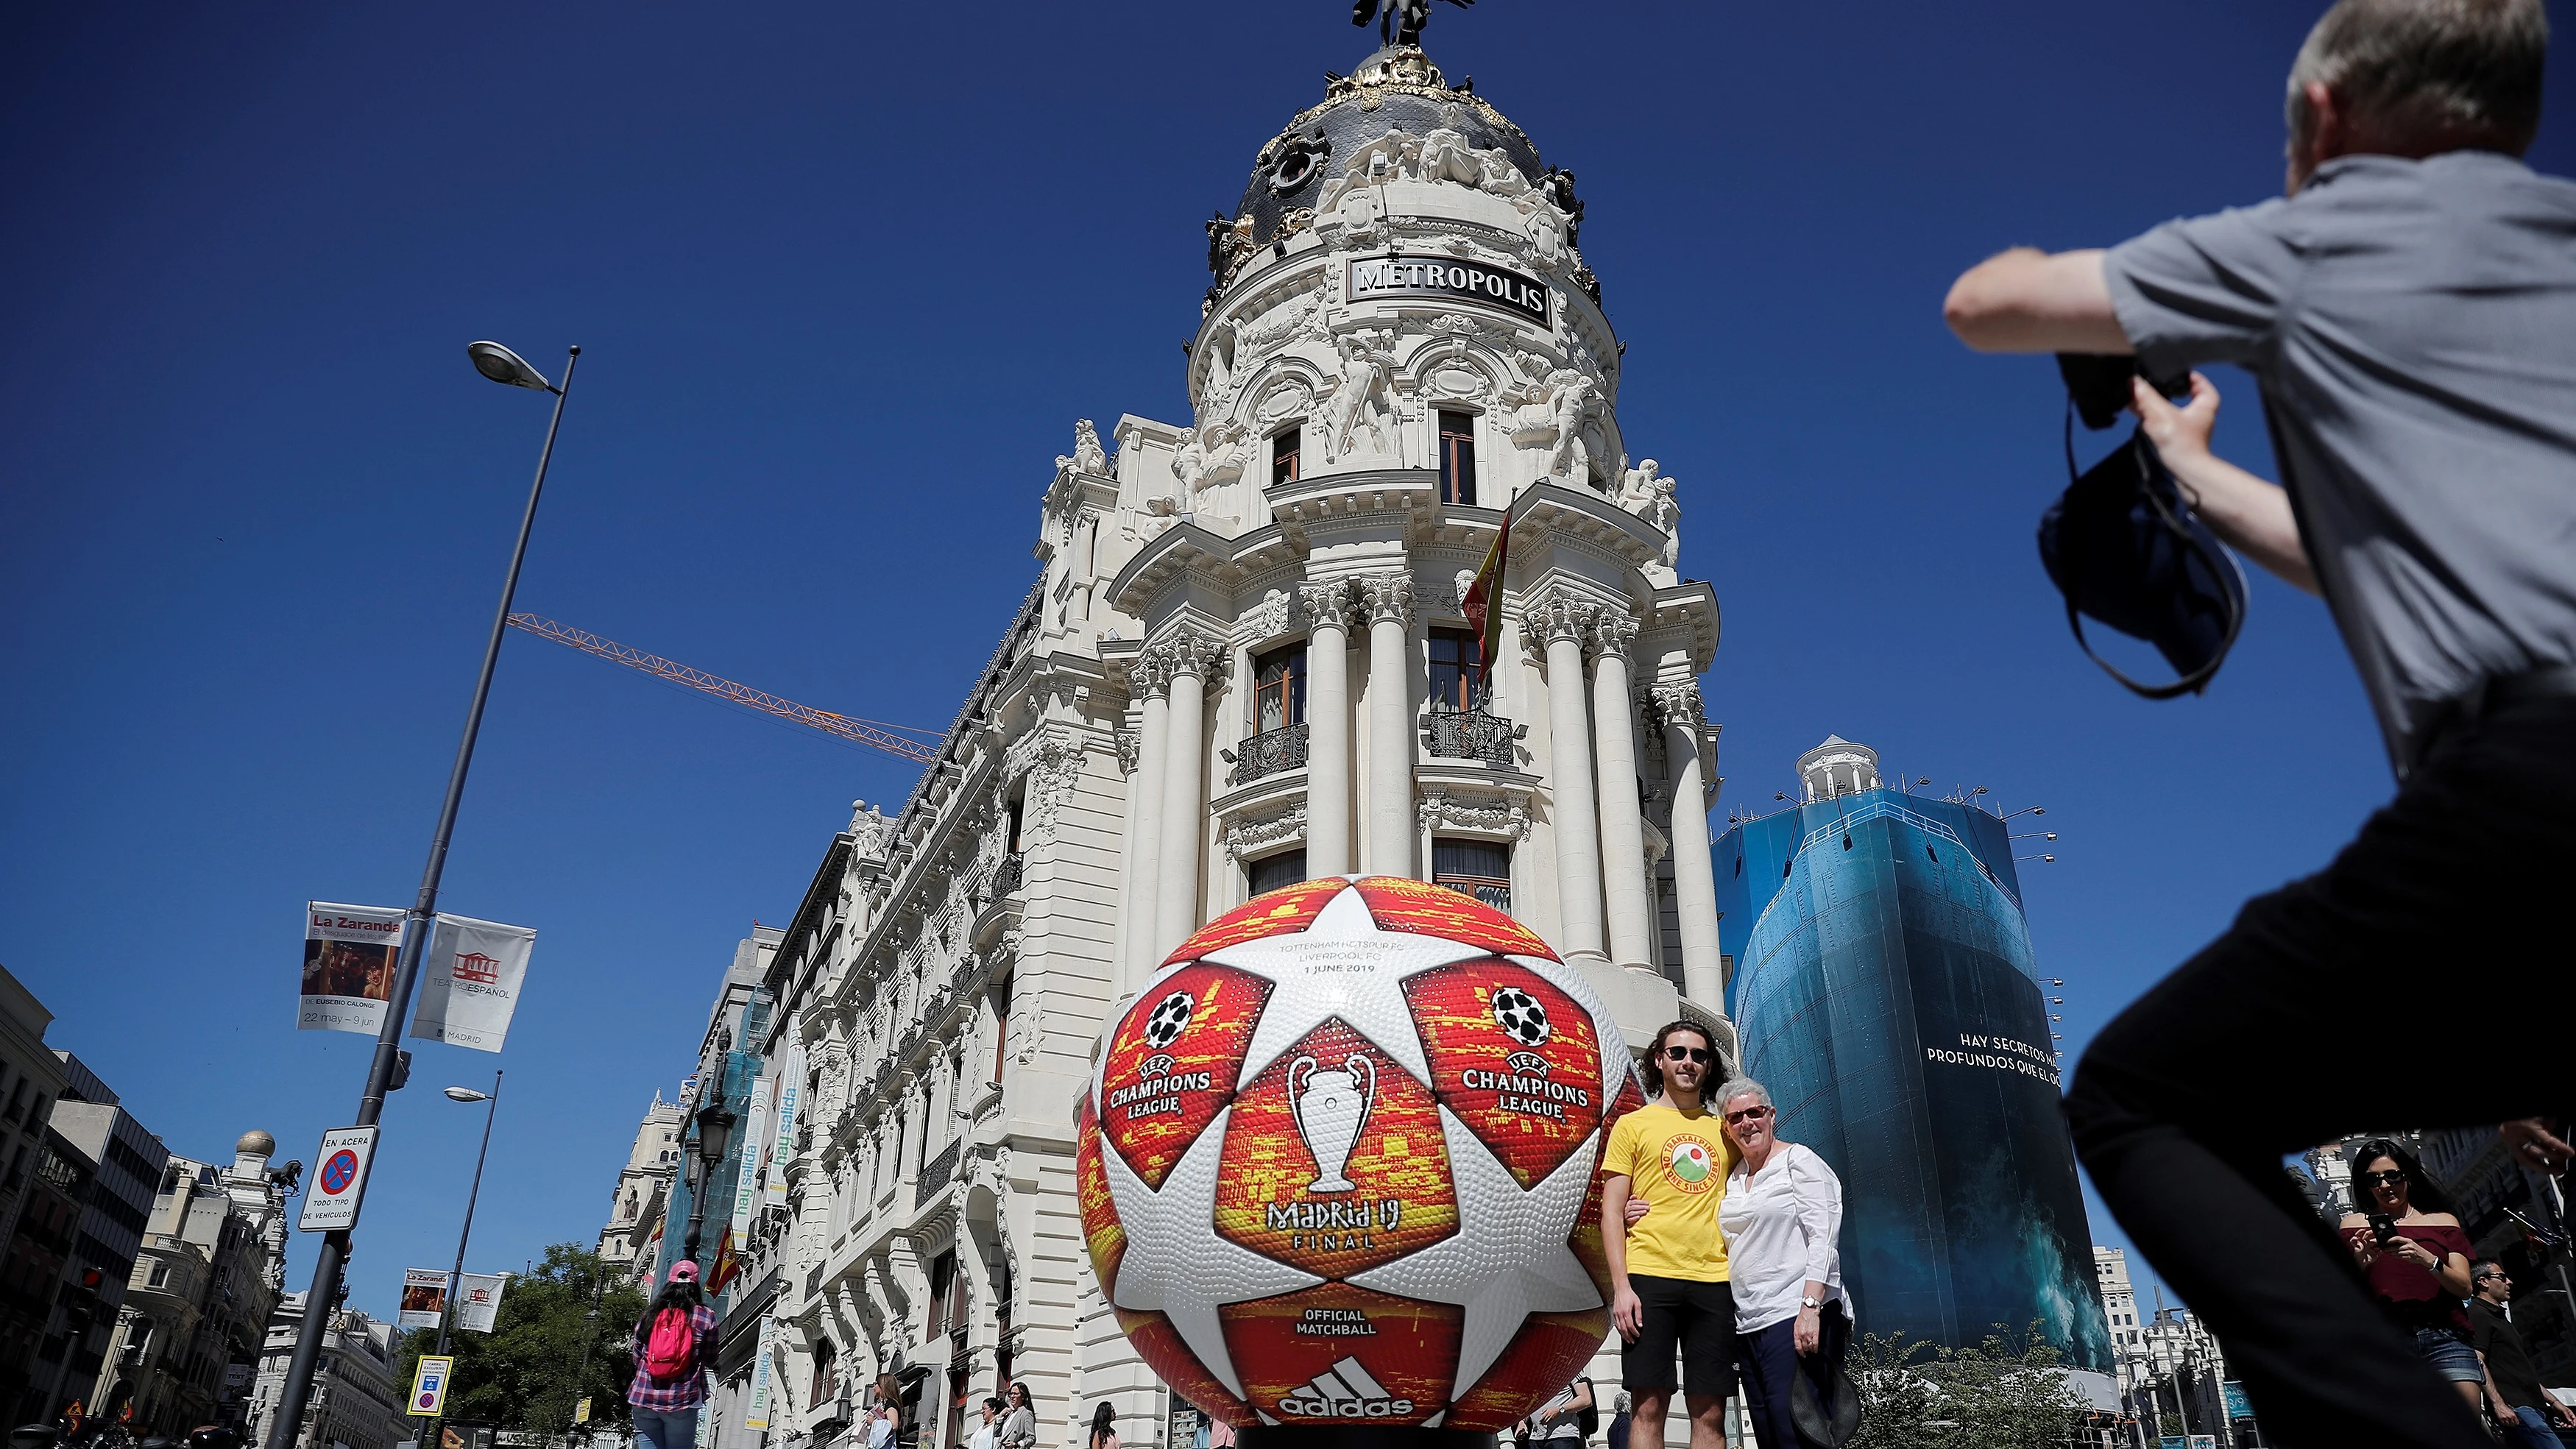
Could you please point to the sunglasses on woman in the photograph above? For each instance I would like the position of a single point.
(1749, 1114)
(1687, 1054)
(2388, 1175)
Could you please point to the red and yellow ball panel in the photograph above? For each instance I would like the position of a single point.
(1586, 1237)
(1550, 1350)
(1102, 1233)
(1424, 909)
(1158, 1090)
(1296, 1354)
(1534, 1098)
(1160, 1345)
(1401, 1197)
(1272, 913)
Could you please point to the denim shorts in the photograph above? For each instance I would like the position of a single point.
(2450, 1355)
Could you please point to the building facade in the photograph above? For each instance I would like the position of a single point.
(355, 1403)
(635, 1204)
(207, 1275)
(1249, 659)
(116, 1211)
(1883, 980)
(31, 1263)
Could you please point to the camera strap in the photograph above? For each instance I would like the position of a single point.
(2154, 486)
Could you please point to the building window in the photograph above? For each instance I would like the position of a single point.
(1458, 458)
(943, 1277)
(1001, 1027)
(160, 1273)
(1019, 806)
(1279, 689)
(1479, 868)
(1271, 872)
(1283, 454)
(1453, 669)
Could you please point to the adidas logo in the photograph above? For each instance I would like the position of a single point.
(1344, 1391)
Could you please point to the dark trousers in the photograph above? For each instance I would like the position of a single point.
(2389, 991)
(1772, 1371)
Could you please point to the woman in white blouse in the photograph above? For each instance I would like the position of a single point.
(1782, 1215)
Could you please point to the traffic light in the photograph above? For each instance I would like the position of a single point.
(80, 1302)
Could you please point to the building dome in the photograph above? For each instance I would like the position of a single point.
(255, 1143)
(1397, 89)
(1838, 767)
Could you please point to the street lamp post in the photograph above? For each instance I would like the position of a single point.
(715, 1125)
(504, 366)
(456, 1275)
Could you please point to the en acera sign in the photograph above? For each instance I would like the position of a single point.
(331, 1203)
(1450, 279)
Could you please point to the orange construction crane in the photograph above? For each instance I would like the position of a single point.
(875, 734)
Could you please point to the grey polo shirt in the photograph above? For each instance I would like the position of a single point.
(2413, 326)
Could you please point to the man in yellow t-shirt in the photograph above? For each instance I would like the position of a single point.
(1668, 1269)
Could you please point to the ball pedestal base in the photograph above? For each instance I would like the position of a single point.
(1359, 1436)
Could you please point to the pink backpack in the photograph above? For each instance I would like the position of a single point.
(672, 1351)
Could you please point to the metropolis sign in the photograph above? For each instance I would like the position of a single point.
(1450, 279)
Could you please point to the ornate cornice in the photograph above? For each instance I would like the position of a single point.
(1439, 810)
(1251, 837)
(1388, 598)
(1560, 614)
(1185, 651)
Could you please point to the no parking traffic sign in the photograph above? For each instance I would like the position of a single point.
(340, 1181)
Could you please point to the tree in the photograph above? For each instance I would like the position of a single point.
(1998, 1395)
(521, 1375)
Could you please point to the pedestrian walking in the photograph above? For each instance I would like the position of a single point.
(1665, 1173)
(2529, 1414)
(885, 1413)
(1783, 1217)
(1104, 1427)
(1020, 1423)
(988, 1430)
(1617, 1438)
(2409, 312)
(674, 1345)
(2410, 1246)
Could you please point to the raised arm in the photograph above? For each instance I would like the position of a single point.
(2026, 300)
(2244, 511)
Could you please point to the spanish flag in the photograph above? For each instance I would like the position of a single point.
(1483, 606)
(728, 1262)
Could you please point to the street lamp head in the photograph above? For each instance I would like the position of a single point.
(466, 1094)
(715, 1124)
(502, 365)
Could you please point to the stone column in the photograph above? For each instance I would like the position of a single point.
(1190, 656)
(1328, 728)
(1389, 598)
(1558, 621)
(1694, 873)
(1623, 823)
(1149, 677)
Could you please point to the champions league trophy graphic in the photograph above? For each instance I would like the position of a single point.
(1339, 1169)
(1329, 1109)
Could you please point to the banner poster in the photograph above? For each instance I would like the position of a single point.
(789, 1087)
(755, 1147)
(348, 966)
(478, 1300)
(756, 1416)
(424, 1298)
(469, 983)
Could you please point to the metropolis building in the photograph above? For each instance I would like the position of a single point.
(1245, 662)
(1882, 978)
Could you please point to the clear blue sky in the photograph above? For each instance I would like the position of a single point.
(844, 276)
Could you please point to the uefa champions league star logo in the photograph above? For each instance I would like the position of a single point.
(1329, 1109)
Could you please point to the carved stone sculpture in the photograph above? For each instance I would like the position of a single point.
(1361, 398)
(1648, 494)
(869, 830)
(1086, 456)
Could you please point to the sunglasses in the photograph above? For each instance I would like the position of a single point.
(1749, 1114)
(1687, 1054)
(2388, 1175)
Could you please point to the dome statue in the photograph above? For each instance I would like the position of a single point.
(255, 1143)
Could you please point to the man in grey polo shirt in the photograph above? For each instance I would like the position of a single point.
(2409, 311)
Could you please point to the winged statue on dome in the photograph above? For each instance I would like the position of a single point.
(1399, 22)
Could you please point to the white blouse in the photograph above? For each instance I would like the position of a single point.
(1781, 1227)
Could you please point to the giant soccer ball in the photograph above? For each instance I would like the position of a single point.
(1341, 1162)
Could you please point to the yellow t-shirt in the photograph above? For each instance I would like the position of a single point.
(1677, 1161)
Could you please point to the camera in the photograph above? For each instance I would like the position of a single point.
(2098, 384)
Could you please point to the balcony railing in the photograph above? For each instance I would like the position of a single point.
(1471, 734)
(1268, 753)
(935, 1174)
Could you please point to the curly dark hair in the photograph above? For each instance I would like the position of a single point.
(1653, 1068)
(2423, 1194)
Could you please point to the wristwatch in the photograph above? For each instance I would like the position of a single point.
(1811, 1302)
